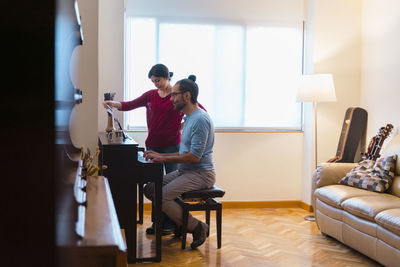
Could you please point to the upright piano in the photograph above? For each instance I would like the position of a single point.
(126, 169)
(88, 232)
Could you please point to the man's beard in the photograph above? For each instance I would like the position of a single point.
(179, 106)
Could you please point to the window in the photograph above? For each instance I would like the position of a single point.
(247, 74)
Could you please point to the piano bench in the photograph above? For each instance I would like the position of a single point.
(203, 199)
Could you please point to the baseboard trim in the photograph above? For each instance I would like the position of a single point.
(306, 207)
(256, 204)
(265, 204)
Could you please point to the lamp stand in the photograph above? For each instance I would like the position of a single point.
(311, 217)
(315, 130)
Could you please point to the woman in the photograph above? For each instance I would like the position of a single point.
(163, 122)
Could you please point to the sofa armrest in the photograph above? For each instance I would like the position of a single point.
(395, 189)
(327, 174)
(330, 173)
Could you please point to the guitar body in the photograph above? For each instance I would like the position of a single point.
(354, 125)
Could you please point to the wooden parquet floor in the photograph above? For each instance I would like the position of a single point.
(255, 237)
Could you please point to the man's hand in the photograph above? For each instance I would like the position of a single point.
(171, 157)
(153, 156)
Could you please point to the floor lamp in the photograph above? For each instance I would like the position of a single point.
(316, 88)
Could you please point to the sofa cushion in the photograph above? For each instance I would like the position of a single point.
(328, 210)
(370, 175)
(368, 206)
(334, 195)
(393, 148)
(390, 220)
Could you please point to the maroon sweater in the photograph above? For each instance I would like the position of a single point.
(163, 120)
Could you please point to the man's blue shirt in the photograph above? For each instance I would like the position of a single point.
(198, 138)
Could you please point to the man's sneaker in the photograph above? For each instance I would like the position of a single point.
(178, 231)
(199, 235)
(150, 230)
(166, 231)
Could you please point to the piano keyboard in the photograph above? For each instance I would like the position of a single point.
(141, 158)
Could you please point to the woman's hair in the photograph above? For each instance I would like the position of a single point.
(160, 70)
(189, 85)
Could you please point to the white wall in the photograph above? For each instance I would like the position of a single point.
(85, 62)
(333, 45)
(381, 63)
(256, 166)
(280, 11)
(337, 50)
(111, 55)
(308, 154)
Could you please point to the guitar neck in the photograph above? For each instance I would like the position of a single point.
(377, 143)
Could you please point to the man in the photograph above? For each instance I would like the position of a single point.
(195, 168)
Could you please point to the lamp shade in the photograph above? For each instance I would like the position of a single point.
(316, 88)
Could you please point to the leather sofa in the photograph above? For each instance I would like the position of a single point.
(366, 221)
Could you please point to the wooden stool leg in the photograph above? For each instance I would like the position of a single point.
(219, 224)
(185, 215)
(208, 221)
